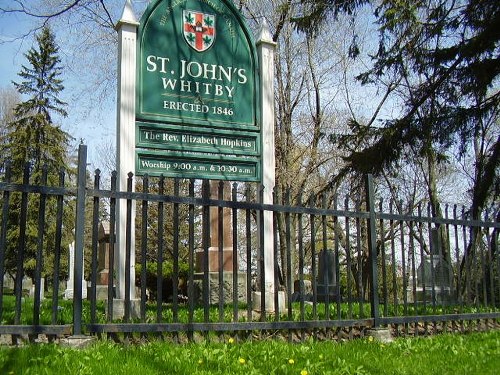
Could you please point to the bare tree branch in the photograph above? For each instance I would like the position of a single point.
(30, 13)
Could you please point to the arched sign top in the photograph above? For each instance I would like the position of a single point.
(197, 65)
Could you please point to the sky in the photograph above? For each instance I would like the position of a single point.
(11, 47)
(95, 127)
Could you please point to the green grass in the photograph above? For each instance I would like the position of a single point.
(354, 310)
(477, 353)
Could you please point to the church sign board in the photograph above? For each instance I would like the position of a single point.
(197, 112)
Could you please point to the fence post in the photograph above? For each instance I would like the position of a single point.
(372, 248)
(79, 232)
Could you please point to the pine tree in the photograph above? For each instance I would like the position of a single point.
(33, 136)
(34, 139)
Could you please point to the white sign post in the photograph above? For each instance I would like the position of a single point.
(125, 142)
(265, 50)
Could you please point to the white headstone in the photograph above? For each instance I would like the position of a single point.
(42, 290)
(68, 293)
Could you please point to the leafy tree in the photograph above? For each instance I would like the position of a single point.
(33, 139)
(442, 59)
(445, 54)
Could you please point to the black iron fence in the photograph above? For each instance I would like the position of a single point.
(197, 251)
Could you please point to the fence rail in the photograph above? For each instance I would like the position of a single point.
(198, 252)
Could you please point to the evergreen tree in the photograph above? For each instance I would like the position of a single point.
(33, 139)
(33, 136)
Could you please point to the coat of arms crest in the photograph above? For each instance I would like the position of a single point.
(199, 29)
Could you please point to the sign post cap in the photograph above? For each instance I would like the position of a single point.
(128, 16)
(264, 35)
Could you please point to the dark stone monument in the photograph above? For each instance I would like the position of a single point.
(434, 274)
(327, 276)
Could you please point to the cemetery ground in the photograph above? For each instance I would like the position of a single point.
(472, 353)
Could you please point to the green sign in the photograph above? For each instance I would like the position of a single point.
(156, 163)
(197, 107)
(159, 136)
(196, 65)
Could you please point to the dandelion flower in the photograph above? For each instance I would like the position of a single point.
(304, 372)
(370, 338)
(241, 361)
(291, 361)
(231, 340)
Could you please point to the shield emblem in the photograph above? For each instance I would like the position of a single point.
(199, 29)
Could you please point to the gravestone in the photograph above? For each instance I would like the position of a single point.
(103, 252)
(213, 267)
(433, 275)
(8, 283)
(27, 284)
(42, 289)
(327, 276)
(307, 291)
(68, 293)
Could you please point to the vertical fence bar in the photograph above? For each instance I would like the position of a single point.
(432, 252)
(248, 236)
(288, 255)
(220, 245)
(175, 279)
(348, 260)
(449, 275)
(128, 249)
(234, 212)
(301, 262)
(3, 233)
(314, 271)
(261, 256)
(79, 240)
(473, 269)
(394, 264)
(159, 264)
(276, 273)
(458, 284)
(372, 248)
(144, 245)
(384, 266)
(57, 248)
(483, 269)
(205, 246)
(495, 236)
(359, 278)
(111, 247)
(39, 249)
(191, 257)
(95, 233)
(466, 262)
(422, 258)
(324, 241)
(336, 260)
(449, 268)
(414, 274)
(403, 265)
(490, 259)
(21, 248)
